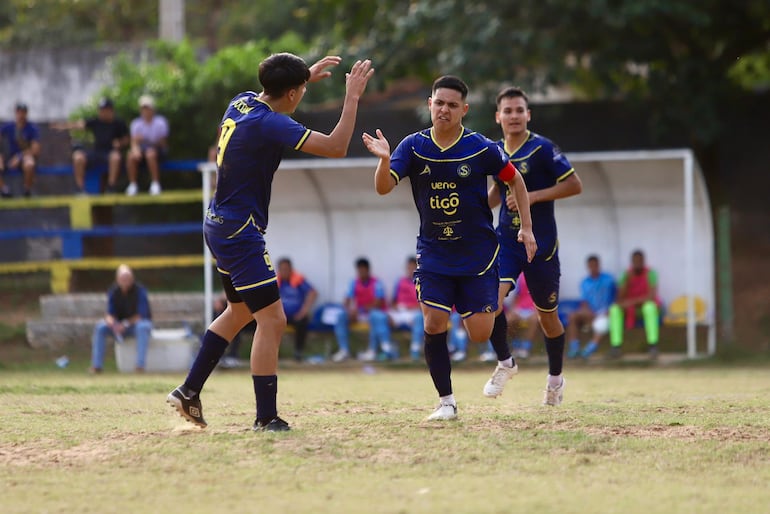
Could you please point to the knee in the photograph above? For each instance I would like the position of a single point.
(615, 310)
(151, 154)
(550, 323)
(144, 326)
(101, 328)
(114, 157)
(650, 308)
(78, 157)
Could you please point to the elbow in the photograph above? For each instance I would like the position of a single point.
(381, 190)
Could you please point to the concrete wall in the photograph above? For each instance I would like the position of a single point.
(52, 82)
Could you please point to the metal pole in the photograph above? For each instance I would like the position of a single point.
(689, 242)
(206, 169)
(725, 274)
(171, 20)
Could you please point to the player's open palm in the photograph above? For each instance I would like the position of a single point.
(378, 146)
(530, 245)
(318, 70)
(358, 77)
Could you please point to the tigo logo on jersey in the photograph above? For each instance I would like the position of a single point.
(464, 170)
(448, 205)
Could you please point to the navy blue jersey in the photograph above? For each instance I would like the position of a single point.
(449, 186)
(251, 143)
(542, 165)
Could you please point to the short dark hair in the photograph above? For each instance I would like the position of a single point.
(284, 260)
(637, 253)
(512, 92)
(592, 257)
(411, 259)
(451, 82)
(362, 262)
(281, 72)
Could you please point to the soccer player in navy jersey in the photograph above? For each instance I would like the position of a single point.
(548, 176)
(254, 131)
(457, 247)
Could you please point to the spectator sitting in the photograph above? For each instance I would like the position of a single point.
(110, 139)
(128, 314)
(297, 297)
(637, 295)
(364, 301)
(597, 292)
(522, 312)
(405, 308)
(149, 134)
(23, 144)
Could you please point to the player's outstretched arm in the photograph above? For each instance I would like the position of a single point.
(335, 144)
(521, 196)
(379, 147)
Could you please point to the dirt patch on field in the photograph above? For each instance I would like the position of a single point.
(684, 433)
(19, 454)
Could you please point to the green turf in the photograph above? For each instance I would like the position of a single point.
(625, 440)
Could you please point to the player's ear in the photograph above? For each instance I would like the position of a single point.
(529, 115)
(430, 101)
(497, 117)
(465, 109)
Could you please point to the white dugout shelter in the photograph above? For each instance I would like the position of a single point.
(325, 213)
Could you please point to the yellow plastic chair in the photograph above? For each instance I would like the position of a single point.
(676, 311)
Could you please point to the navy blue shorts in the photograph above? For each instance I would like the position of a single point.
(240, 252)
(542, 274)
(467, 294)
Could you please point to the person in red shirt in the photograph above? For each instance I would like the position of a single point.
(637, 297)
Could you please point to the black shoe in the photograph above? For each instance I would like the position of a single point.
(27, 193)
(5, 192)
(188, 405)
(274, 425)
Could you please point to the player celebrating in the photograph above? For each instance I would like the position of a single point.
(456, 247)
(254, 131)
(549, 176)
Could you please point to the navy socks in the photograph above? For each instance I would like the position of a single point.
(439, 364)
(212, 349)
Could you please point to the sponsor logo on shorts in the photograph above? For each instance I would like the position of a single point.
(487, 308)
(552, 298)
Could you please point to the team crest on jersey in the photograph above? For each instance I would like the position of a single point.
(464, 170)
(523, 167)
(425, 170)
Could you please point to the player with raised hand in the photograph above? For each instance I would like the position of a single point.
(457, 247)
(253, 133)
(548, 176)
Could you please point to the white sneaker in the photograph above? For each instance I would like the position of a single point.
(554, 395)
(155, 189)
(494, 386)
(445, 411)
(488, 357)
(458, 356)
(132, 189)
(367, 356)
(340, 356)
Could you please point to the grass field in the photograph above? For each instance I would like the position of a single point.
(625, 440)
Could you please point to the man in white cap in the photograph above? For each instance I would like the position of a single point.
(149, 144)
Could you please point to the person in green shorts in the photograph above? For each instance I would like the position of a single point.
(637, 298)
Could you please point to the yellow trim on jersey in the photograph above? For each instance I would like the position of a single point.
(466, 314)
(249, 221)
(258, 99)
(553, 252)
(302, 139)
(252, 286)
(443, 149)
(222, 271)
(494, 259)
(511, 280)
(451, 160)
(437, 306)
(505, 145)
(565, 175)
(395, 176)
(530, 154)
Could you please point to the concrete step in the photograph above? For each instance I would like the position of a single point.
(59, 332)
(94, 305)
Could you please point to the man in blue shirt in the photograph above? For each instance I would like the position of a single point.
(128, 314)
(22, 140)
(548, 176)
(597, 292)
(253, 133)
(297, 297)
(457, 247)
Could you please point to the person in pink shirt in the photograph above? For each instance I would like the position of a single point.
(522, 313)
